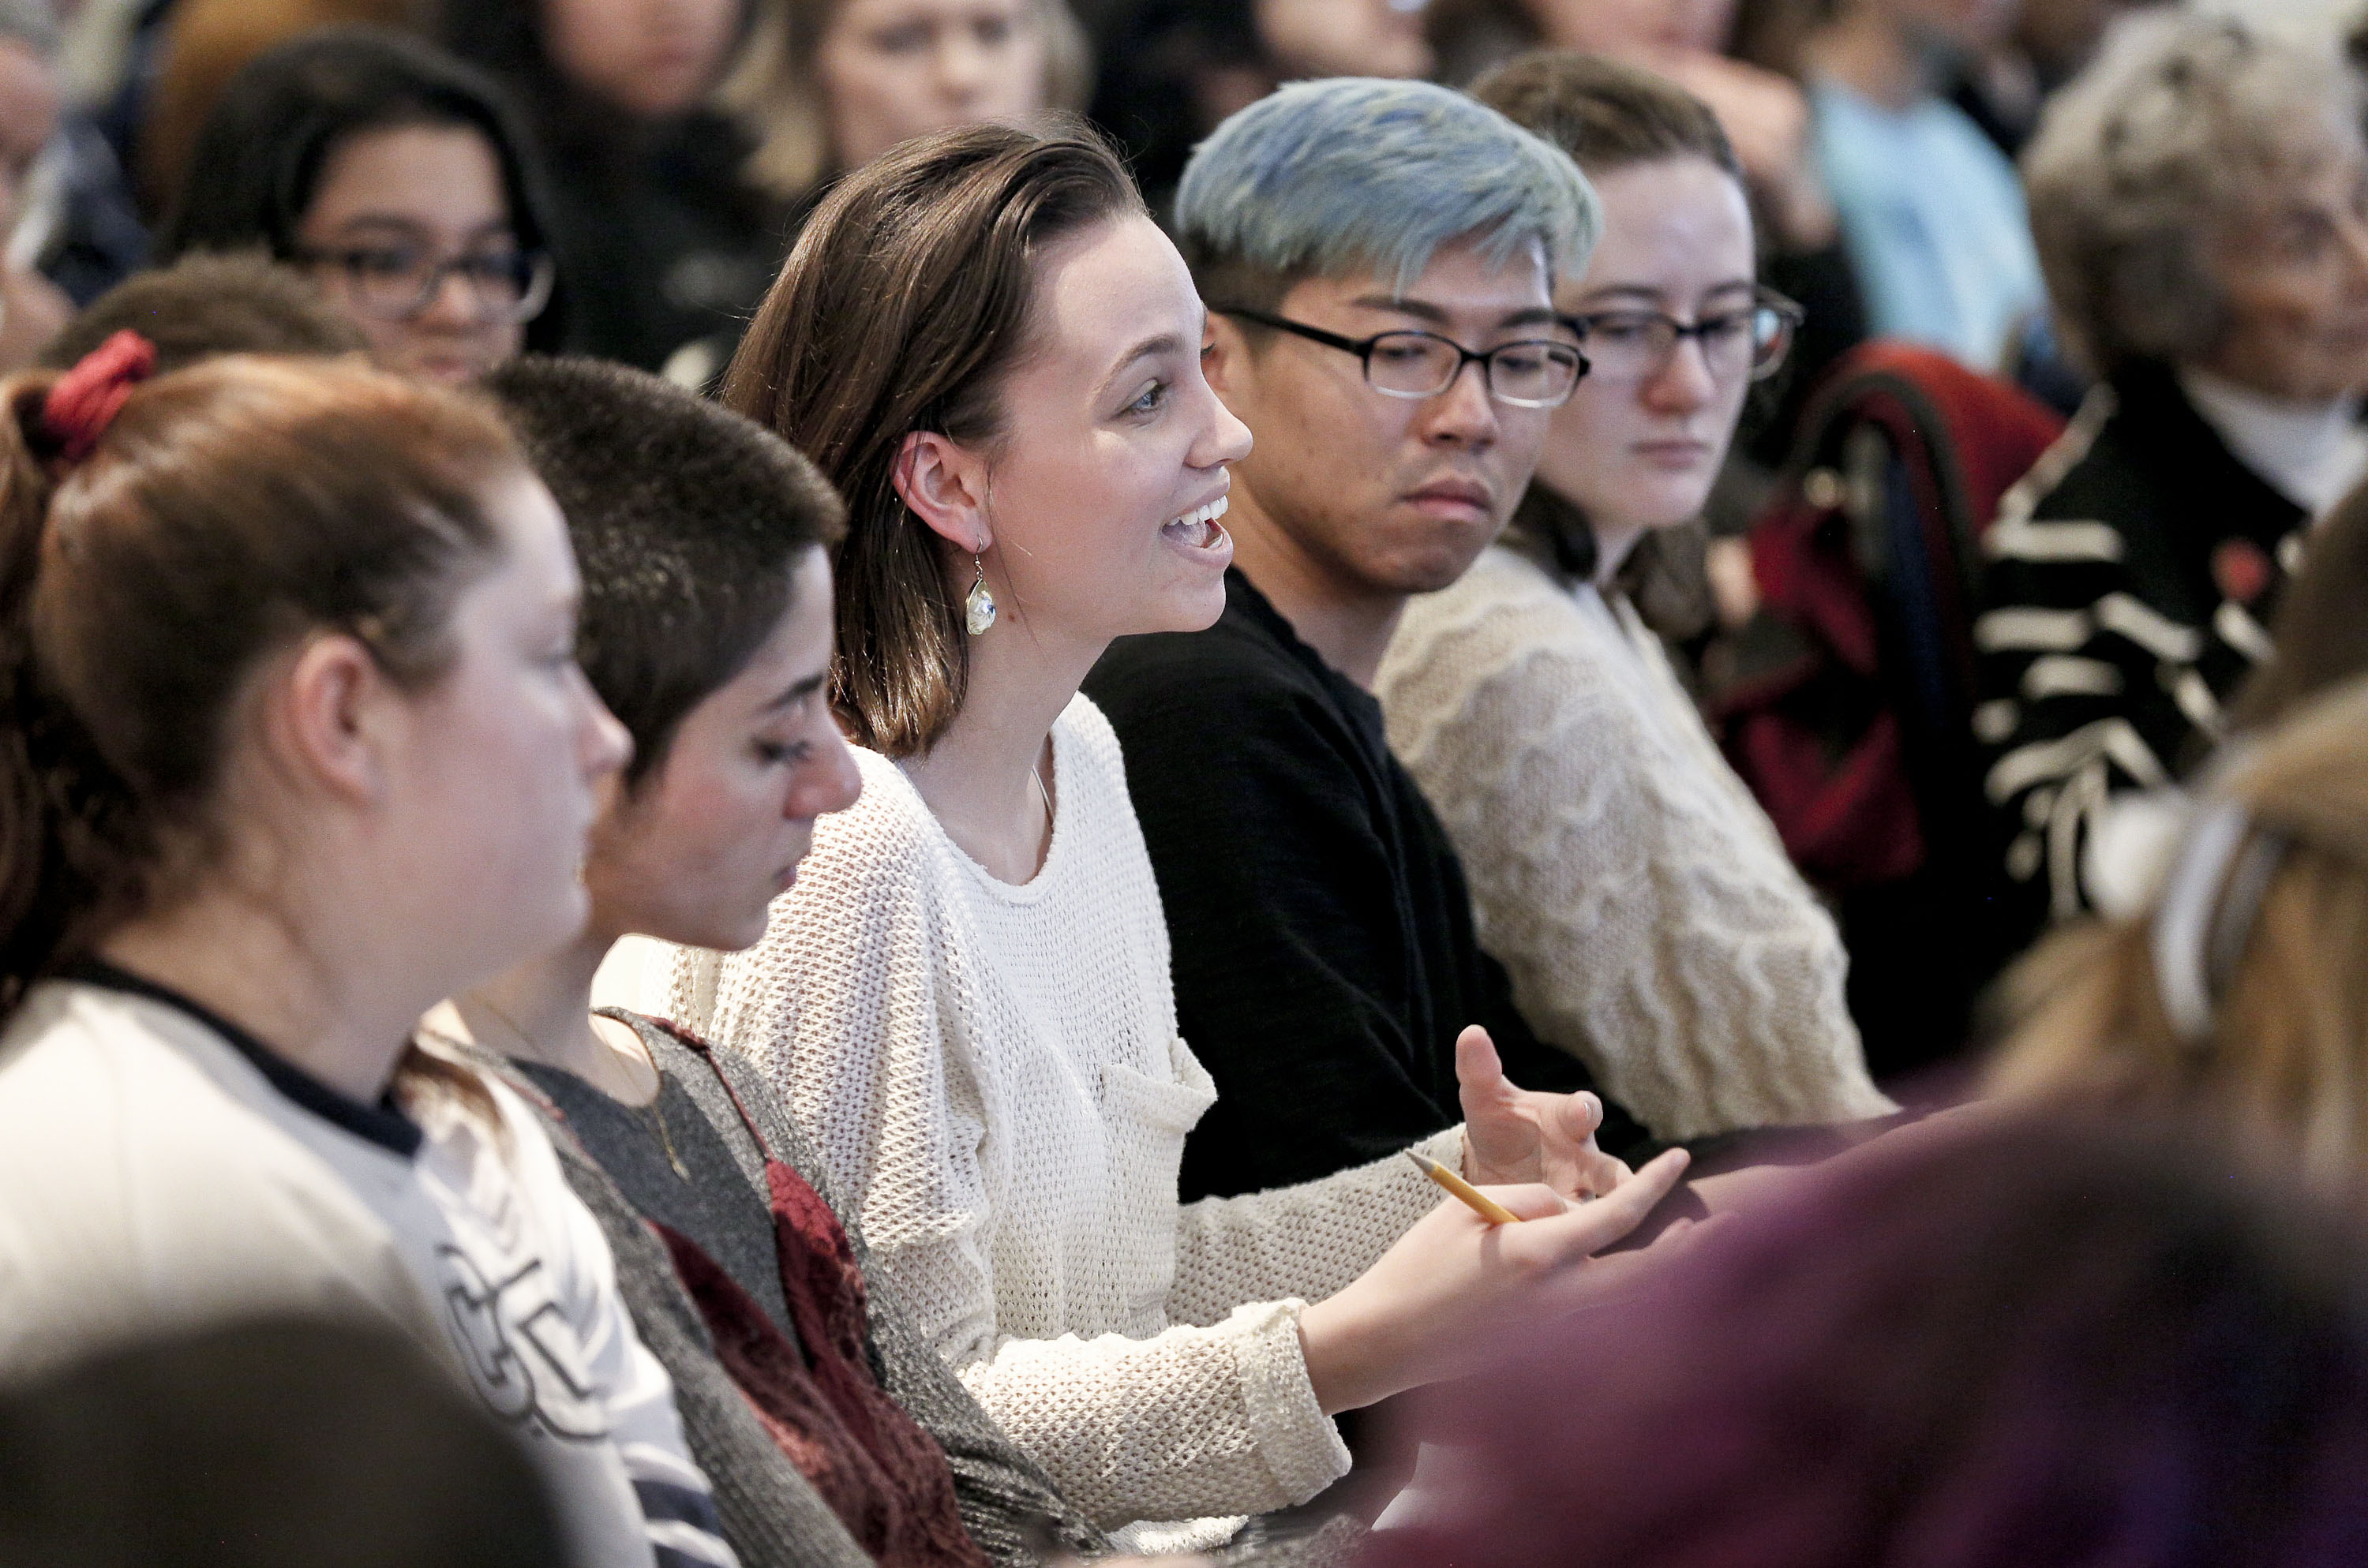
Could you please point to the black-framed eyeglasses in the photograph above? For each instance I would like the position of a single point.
(1632, 345)
(399, 282)
(1535, 372)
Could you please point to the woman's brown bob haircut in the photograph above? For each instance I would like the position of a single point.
(903, 307)
(230, 510)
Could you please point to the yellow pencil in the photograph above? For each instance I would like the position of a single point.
(1479, 1202)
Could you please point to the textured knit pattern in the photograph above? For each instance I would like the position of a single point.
(992, 1077)
(1635, 892)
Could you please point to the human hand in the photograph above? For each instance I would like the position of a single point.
(1456, 1291)
(1512, 1134)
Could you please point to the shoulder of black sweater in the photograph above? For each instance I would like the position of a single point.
(2159, 464)
(1234, 689)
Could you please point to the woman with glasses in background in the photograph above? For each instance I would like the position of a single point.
(1618, 869)
(394, 176)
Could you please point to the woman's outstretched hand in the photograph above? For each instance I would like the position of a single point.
(1512, 1134)
(1456, 1292)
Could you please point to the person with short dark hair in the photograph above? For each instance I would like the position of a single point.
(1378, 259)
(206, 304)
(397, 178)
(827, 1422)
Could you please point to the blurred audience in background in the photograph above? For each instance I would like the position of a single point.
(31, 307)
(202, 45)
(1635, 893)
(1169, 71)
(667, 241)
(2200, 199)
(394, 178)
(268, 1443)
(1930, 210)
(2039, 1345)
(830, 84)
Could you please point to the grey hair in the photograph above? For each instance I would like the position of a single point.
(1325, 179)
(2140, 163)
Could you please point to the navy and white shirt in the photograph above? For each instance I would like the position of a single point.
(161, 1169)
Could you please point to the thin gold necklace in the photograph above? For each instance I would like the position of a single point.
(650, 1111)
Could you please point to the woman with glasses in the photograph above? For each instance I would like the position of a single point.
(394, 176)
(1618, 869)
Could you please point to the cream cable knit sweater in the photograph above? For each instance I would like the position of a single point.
(1621, 873)
(993, 1076)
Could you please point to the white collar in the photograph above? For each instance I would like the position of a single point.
(2312, 453)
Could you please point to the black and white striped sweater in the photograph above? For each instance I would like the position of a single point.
(2129, 581)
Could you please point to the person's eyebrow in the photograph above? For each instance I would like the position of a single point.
(1162, 343)
(1423, 310)
(797, 692)
(384, 221)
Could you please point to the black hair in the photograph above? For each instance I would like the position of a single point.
(687, 519)
(257, 161)
(203, 305)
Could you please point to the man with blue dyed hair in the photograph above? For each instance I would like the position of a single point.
(1377, 259)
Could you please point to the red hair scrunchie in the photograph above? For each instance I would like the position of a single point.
(86, 399)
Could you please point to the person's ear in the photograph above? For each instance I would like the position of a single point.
(329, 719)
(945, 486)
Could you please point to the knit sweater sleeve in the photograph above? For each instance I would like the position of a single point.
(844, 1005)
(1643, 910)
(1307, 1241)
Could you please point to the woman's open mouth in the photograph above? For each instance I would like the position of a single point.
(1197, 529)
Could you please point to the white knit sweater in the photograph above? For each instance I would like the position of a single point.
(1622, 874)
(993, 1076)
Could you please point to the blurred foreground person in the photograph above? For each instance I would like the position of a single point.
(2200, 199)
(394, 177)
(2241, 993)
(296, 745)
(1996, 1346)
(265, 1443)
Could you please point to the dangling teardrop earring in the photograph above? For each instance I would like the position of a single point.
(978, 606)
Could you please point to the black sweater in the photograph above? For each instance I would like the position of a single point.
(1325, 960)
